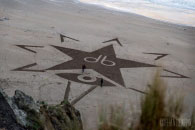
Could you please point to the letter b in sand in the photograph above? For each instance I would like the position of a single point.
(107, 62)
(104, 60)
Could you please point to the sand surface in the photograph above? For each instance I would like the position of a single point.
(39, 23)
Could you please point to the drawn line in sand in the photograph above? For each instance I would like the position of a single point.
(63, 36)
(83, 95)
(25, 68)
(66, 95)
(161, 55)
(25, 47)
(179, 75)
(115, 39)
(137, 90)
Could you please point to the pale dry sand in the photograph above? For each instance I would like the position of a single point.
(35, 22)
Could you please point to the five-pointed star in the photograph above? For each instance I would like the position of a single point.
(106, 56)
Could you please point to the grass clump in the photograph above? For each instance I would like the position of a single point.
(153, 105)
(34, 120)
(61, 117)
(115, 120)
(157, 111)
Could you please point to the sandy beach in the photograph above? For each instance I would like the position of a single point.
(38, 24)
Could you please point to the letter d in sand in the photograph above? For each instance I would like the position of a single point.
(92, 59)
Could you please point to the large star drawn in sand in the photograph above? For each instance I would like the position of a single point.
(103, 61)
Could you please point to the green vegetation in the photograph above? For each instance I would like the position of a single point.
(50, 117)
(34, 120)
(153, 106)
(116, 120)
(157, 113)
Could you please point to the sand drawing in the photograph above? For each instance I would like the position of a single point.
(103, 61)
(84, 78)
(63, 36)
(115, 39)
(178, 75)
(159, 55)
(26, 68)
(26, 47)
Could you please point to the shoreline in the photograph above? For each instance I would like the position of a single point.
(133, 13)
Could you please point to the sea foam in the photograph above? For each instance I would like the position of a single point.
(174, 11)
